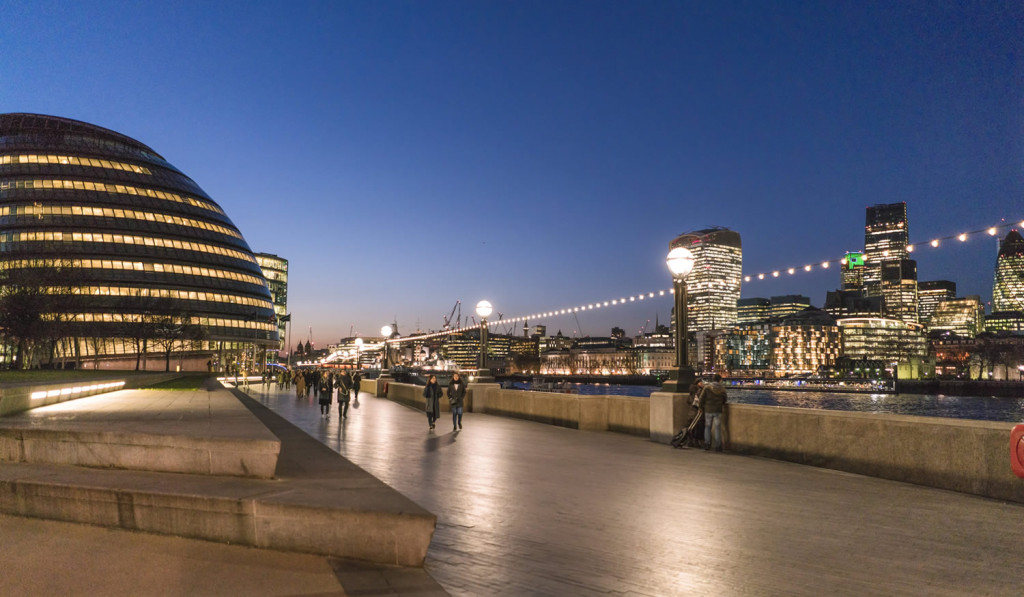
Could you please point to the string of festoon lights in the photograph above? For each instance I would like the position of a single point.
(933, 244)
(631, 299)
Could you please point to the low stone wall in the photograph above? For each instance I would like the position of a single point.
(24, 396)
(956, 454)
(624, 414)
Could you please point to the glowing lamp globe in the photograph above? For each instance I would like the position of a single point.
(359, 343)
(484, 309)
(680, 262)
(386, 331)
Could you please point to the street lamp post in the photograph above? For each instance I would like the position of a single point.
(680, 262)
(483, 309)
(385, 375)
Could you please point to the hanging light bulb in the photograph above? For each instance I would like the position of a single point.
(962, 237)
(935, 243)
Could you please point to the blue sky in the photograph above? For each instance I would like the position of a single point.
(405, 155)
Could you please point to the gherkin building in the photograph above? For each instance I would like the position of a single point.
(108, 252)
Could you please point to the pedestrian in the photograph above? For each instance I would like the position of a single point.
(712, 401)
(357, 380)
(344, 387)
(456, 396)
(695, 389)
(432, 393)
(300, 384)
(325, 388)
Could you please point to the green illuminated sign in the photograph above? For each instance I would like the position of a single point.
(854, 260)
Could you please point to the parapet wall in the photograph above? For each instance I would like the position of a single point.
(956, 454)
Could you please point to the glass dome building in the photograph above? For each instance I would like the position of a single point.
(108, 251)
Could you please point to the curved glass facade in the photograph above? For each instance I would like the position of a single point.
(133, 240)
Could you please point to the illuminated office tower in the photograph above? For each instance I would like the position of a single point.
(713, 286)
(899, 289)
(852, 273)
(788, 304)
(753, 310)
(1008, 289)
(964, 317)
(885, 239)
(275, 270)
(930, 294)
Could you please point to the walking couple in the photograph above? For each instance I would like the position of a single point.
(456, 397)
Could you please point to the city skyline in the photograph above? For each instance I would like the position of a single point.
(402, 157)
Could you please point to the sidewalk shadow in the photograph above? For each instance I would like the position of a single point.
(436, 442)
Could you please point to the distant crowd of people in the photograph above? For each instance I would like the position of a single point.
(322, 384)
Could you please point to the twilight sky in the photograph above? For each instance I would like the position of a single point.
(541, 155)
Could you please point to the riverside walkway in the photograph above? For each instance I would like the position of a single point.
(530, 509)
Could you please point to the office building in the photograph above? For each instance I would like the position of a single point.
(127, 251)
(804, 342)
(745, 350)
(785, 305)
(848, 303)
(713, 286)
(1006, 321)
(275, 270)
(885, 239)
(882, 339)
(851, 275)
(899, 289)
(965, 317)
(1008, 289)
(930, 294)
(753, 310)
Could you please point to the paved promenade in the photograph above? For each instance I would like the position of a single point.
(530, 509)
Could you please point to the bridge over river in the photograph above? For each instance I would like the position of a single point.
(526, 508)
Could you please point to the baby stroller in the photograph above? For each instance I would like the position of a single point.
(692, 436)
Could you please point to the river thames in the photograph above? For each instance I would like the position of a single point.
(984, 408)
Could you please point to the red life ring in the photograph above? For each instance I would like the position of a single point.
(1017, 450)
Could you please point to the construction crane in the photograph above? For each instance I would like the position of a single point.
(579, 328)
(458, 319)
(643, 328)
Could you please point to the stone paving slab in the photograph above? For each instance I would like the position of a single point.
(530, 509)
(45, 557)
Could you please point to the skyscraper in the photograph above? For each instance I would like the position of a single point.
(852, 273)
(1008, 289)
(930, 294)
(713, 286)
(885, 239)
(275, 270)
(899, 289)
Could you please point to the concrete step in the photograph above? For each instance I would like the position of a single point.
(351, 516)
(204, 432)
(317, 501)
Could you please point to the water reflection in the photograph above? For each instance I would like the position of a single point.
(983, 408)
